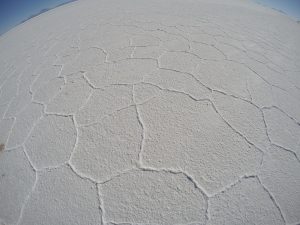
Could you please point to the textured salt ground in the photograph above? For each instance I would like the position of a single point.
(151, 112)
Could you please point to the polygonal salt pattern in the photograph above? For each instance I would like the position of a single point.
(282, 130)
(24, 124)
(151, 197)
(16, 181)
(75, 200)
(247, 202)
(51, 141)
(107, 148)
(181, 133)
(276, 166)
(153, 112)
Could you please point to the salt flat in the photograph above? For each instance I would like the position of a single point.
(151, 112)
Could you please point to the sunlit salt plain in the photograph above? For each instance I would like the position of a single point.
(151, 112)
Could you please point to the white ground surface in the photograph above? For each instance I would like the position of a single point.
(151, 112)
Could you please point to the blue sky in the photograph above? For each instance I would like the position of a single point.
(13, 12)
(290, 7)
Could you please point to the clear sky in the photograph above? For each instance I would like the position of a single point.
(12, 12)
(290, 7)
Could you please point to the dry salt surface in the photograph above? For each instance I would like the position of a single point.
(151, 113)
